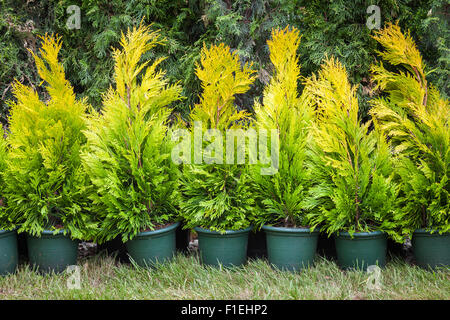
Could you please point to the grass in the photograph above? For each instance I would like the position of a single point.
(102, 277)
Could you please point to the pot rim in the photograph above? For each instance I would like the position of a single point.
(4, 231)
(429, 231)
(162, 230)
(7, 233)
(52, 232)
(227, 232)
(290, 230)
(346, 234)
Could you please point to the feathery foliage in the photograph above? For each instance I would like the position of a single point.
(351, 167)
(222, 78)
(416, 119)
(45, 185)
(128, 154)
(5, 222)
(218, 196)
(283, 194)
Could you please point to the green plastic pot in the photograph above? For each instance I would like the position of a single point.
(151, 247)
(361, 251)
(9, 255)
(52, 252)
(291, 248)
(431, 250)
(227, 249)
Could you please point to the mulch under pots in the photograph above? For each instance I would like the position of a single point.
(227, 249)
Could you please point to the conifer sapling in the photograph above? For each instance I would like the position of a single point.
(217, 195)
(416, 119)
(351, 166)
(283, 194)
(128, 155)
(45, 184)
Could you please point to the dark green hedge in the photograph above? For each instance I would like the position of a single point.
(328, 27)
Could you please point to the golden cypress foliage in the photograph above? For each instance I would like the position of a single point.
(222, 77)
(44, 183)
(218, 196)
(336, 104)
(280, 99)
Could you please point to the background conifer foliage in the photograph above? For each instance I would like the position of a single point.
(335, 28)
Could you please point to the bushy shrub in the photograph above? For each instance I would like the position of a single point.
(283, 194)
(416, 119)
(128, 154)
(45, 184)
(217, 195)
(351, 166)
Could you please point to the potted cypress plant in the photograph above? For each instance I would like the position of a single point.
(9, 255)
(216, 196)
(44, 183)
(128, 155)
(416, 119)
(353, 195)
(291, 243)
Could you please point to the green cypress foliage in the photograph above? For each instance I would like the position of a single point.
(128, 154)
(335, 28)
